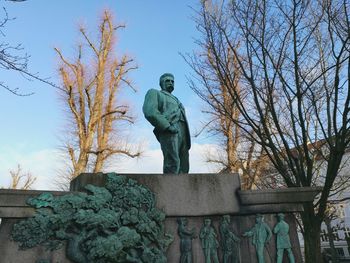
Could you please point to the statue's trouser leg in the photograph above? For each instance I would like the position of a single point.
(207, 255)
(225, 257)
(236, 254)
(260, 252)
(214, 256)
(280, 255)
(186, 257)
(290, 255)
(183, 148)
(169, 145)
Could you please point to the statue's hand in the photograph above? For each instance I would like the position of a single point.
(172, 129)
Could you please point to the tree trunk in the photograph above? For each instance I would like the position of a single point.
(81, 164)
(312, 241)
(98, 163)
(334, 253)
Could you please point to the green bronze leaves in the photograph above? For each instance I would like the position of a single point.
(115, 223)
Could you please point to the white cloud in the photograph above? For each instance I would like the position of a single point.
(43, 164)
(152, 161)
(46, 163)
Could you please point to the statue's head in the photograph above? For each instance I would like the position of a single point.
(259, 218)
(280, 216)
(207, 222)
(182, 221)
(226, 218)
(166, 82)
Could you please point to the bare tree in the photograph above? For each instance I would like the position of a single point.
(330, 215)
(20, 179)
(92, 87)
(293, 57)
(238, 152)
(13, 58)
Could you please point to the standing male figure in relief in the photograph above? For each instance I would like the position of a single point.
(283, 240)
(261, 234)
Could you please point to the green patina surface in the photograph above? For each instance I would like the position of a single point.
(115, 223)
(167, 115)
(261, 235)
(209, 242)
(229, 241)
(283, 241)
(186, 235)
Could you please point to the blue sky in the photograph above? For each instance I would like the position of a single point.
(156, 32)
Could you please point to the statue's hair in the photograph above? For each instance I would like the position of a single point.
(280, 215)
(164, 76)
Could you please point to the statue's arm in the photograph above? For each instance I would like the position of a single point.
(248, 233)
(269, 232)
(151, 110)
(235, 238)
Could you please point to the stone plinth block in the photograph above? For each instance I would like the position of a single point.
(278, 195)
(10, 253)
(193, 196)
(13, 202)
(181, 195)
(200, 196)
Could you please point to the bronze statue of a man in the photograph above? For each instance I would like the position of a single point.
(283, 240)
(261, 234)
(229, 242)
(209, 242)
(165, 112)
(186, 235)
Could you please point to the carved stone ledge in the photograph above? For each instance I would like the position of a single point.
(278, 196)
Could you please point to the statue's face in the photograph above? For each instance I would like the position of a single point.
(168, 84)
(207, 222)
(258, 220)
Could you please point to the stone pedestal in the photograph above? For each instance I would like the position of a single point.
(194, 196)
(10, 252)
(200, 196)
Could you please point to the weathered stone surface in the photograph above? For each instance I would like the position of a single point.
(13, 202)
(114, 223)
(270, 208)
(18, 198)
(16, 212)
(216, 195)
(182, 195)
(240, 224)
(278, 196)
(10, 253)
(195, 196)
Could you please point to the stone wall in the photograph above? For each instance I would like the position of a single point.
(194, 196)
(10, 253)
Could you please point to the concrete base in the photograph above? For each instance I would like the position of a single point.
(10, 253)
(240, 224)
(181, 195)
(194, 196)
(200, 196)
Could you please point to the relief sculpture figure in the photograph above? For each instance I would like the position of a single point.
(261, 234)
(186, 235)
(283, 242)
(209, 242)
(166, 113)
(229, 241)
